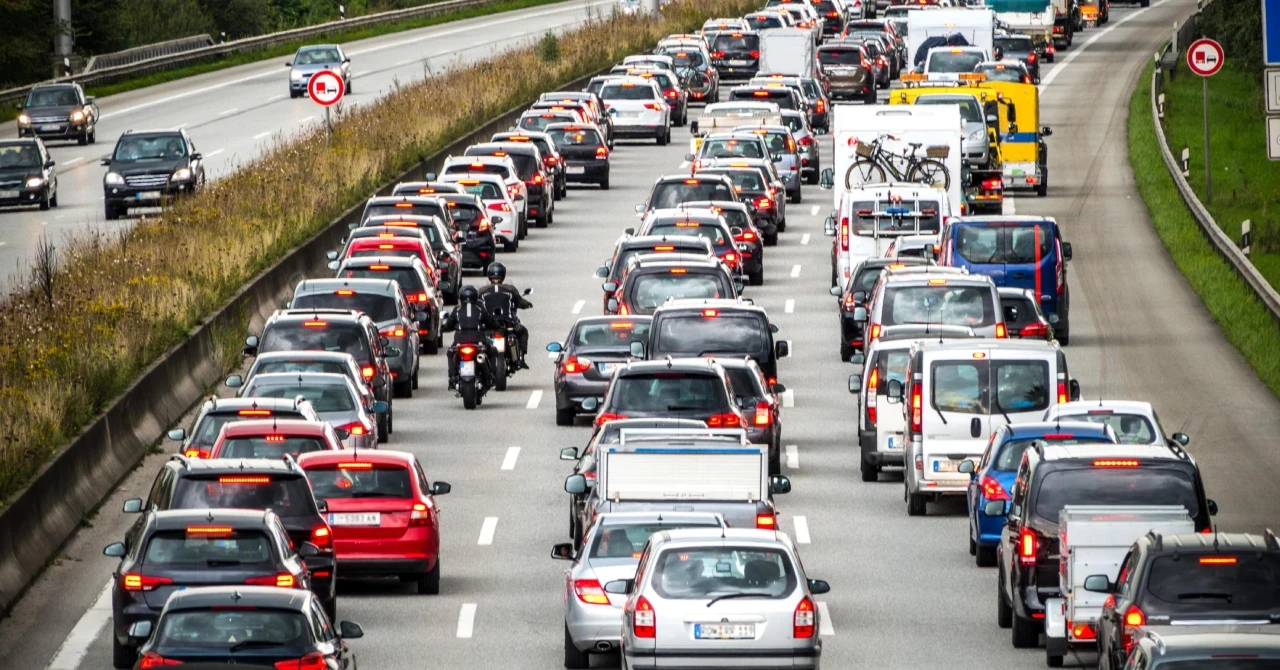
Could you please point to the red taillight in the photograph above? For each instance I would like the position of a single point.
(602, 153)
(1028, 544)
(875, 331)
(499, 207)
(763, 203)
(551, 160)
(1115, 463)
(1031, 57)
(466, 352)
(420, 515)
(321, 536)
(356, 429)
(652, 105)
(764, 414)
(717, 54)
(1083, 631)
(367, 372)
(643, 619)
(1062, 393)
(994, 184)
(589, 591)
(1034, 330)
(513, 190)
(283, 580)
(992, 490)
(844, 234)
(313, 661)
(575, 365)
(394, 332)
(1049, 49)
(153, 660)
(672, 94)
(755, 54)
(607, 417)
(805, 619)
(1001, 330)
(537, 179)
(1132, 617)
(194, 452)
(766, 521)
(137, 582)
(726, 420)
(416, 297)
(917, 409)
(873, 385)
(807, 141)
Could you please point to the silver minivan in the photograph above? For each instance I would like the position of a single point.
(735, 598)
(934, 297)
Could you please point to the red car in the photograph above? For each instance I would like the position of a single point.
(394, 246)
(271, 438)
(382, 509)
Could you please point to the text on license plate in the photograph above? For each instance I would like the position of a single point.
(724, 631)
(606, 368)
(575, 169)
(466, 368)
(355, 519)
(50, 128)
(148, 195)
(739, 63)
(945, 466)
(6, 195)
(895, 442)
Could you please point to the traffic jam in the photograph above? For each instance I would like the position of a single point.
(919, 121)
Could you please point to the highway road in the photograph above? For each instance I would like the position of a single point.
(905, 592)
(232, 115)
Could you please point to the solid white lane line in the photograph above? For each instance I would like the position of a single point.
(801, 527)
(790, 306)
(73, 161)
(793, 457)
(211, 154)
(814, 210)
(804, 239)
(789, 398)
(74, 648)
(404, 62)
(467, 620)
(534, 399)
(577, 306)
(307, 119)
(263, 134)
(509, 463)
(361, 73)
(1053, 74)
(795, 270)
(225, 112)
(825, 626)
(487, 530)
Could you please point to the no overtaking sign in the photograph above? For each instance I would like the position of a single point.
(325, 88)
(1205, 57)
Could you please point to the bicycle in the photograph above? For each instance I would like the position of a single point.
(873, 161)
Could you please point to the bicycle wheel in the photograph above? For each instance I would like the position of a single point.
(931, 172)
(867, 172)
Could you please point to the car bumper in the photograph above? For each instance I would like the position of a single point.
(22, 196)
(477, 257)
(738, 71)
(53, 130)
(590, 625)
(586, 172)
(572, 390)
(641, 127)
(744, 657)
(368, 567)
(869, 441)
(143, 196)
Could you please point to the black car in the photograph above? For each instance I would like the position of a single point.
(736, 55)
(26, 174)
(217, 412)
(630, 246)
(748, 239)
(650, 280)
(448, 257)
(1022, 315)
(1021, 48)
(409, 272)
(59, 111)
(175, 550)
(552, 161)
(246, 627)
(530, 170)
(650, 389)
(425, 188)
(757, 193)
(148, 168)
(719, 327)
(863, 281)
(672, 190)
(475, 235)
(585, 361)
(759, 401)
(583, 151)
(1050, 478)
(273, 484)
(833, 13)
(1186, 582)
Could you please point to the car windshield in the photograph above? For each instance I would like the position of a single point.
(566, 137)
(1010, 455)
(378, 307)
(322, 56)
(736, 42)
(324, 397)
(1000, 73)
(286, 496)
(610, 334)
(895, 217)
(691, 229)
(62, 96)
(19, 156)
(360, 480)
(1115, 487)
(486, 190)
(726, 148)
(651, 290)
(628, 91)
(409, 280)
(696, 334)
(968, 105)
(669, 195)
(763, 22)
(316, 335)
(946, 305)
(269, 446)
(1004, 244)
(866, 278)
(1130, 428)
(707, 572)
(177, 547)
(848, 56)
(143, 148)
(220, 629)
(1227, 582)
(949, 61)
(1011, 45)
(1018, 311)
(661, 391)
(624, 541)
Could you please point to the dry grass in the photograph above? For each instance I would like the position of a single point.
(116, 302)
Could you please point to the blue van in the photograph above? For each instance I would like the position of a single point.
(1016, 251)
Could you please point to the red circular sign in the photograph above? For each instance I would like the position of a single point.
(1205, 57)
(325, 88)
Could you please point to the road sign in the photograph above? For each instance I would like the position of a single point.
(1271, 32)
(1205, 57)
(1273, 138)
(1272, 78)
(325, 88)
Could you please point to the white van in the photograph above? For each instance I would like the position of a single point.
(871, 216)
(956, 393)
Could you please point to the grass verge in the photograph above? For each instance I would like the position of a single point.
(1245, 321)
(10, 113)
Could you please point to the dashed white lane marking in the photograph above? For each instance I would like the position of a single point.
(487, 530)
(83, 634)
(814, 210)
(211, 154)
(789, 398)
(790, 306)
(552, 354)
(801, 527)
(534, 399)
(577, 306)
(73, 161)
(404, 62)
(361, 73)
(1053, 74)
(263, 134)
(3, 243)
(225, 112)
(825, 626)
(793, 457)
(467, 620)
(509, 463)
(804, 239)
(795, 270)
(274, 98)
(1009, 208)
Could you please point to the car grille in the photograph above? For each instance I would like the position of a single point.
(49, 119)
(10, 184)
(147, 180)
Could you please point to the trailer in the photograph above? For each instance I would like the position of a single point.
(948, 28)
(788, 51)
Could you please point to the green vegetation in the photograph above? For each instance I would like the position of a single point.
(1235, 24)
(1245, 321)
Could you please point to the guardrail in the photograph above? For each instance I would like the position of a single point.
(1225, 246)
(159, 63)
(148, 51)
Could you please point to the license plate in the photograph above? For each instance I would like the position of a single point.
(51, 128)
(575, 169)
(1017, 173)
(724, 631)
(606, 368)
(467, 368)
(739, 63)
(500, 344)
(5, 195)
(895, 442)
(356, 519)
(945, 466)
(148, 195)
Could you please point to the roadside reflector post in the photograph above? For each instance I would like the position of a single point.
(1186, 162)
(1246, 237)
(1161, 105)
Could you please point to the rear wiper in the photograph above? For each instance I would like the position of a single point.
(940, 415)
(736, 595)
(247, 644)
(1205, 594)
(216, 563)
(683, 408)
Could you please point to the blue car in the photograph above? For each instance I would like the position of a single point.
(992, 478)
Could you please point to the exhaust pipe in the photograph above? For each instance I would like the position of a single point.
(604, 645)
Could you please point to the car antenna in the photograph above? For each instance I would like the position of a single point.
(209, 516)
(1215, 538)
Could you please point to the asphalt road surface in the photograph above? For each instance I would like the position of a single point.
(905, 592)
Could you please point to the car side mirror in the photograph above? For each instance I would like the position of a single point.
(331, 255)
(629, 232)
(996, 508)
(234, 382)
(1046, 131)
(1213, 507)
(50, 163)
(555, 347)
(611, 305)
(347, 61)
(569, 454)
(637, 351)
(778, 388)
(342, 433)
(380, 407)
(639, 210)
(1074, 387)
(992, 119)
(251, 345)
(782, 348)
(132, 506)
(139, 632)
(1066, 251)
(88, 99)
(827, 179)
(829, 227)
(332, 265)
(860, 314)
(197, 156)
(620, 587)
(114, 550)
(602, 272)
(779, 484)
(527, 291)
(575, 484)
(431, 176)
(307, 550)
(322, 505)
(689, 157)
(895, 390)
(180, 434)
(421, 316)
(818, 587)
(966, 466)
(1181, 438)
(350, 630)
(835, 291)
(105, 162)
(562, 551)
(289, 64)
(441, 488)
(391, 352)
(855, 384)
(609, 286)
(858, 358)
(735, 231)
(1098, 584)
(738, 286)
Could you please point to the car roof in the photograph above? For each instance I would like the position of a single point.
(1077, 407)
(1006, 218)
(234, 466)
(675, 518)
(387, 287)
(908, 333)
(393, 261)
(180, 519)
(924, 278)
(1182, 643)
(680, 364)
(728, 535)
(1015, 292)
(647, 240)
(1215, 542)
(699, 304)
(301, 355)
(610, 318)
(406, 197)
(268, 597)
(666, 260)
(523, 148)
(967, 346)
(228, 405)
(374, 456)
(431, 186)
(292, 427)
(730, 362)
(694, 214)
(710, 204)
(299, 377)
(1042, 428)
(308, 314)
(1059, 452)
(685, 177)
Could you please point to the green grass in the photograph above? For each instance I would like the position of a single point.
(10, 113)
(1244, 320)
(1246, 185)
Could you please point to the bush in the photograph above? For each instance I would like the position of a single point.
(549, 47)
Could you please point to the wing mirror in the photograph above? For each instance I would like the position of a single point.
(342, 433)
(609, 286)
(1213, 507)
(331, 255)
(333, 265)
(779, 484)
(996, 508)
(620, 587)
(1098, 584)
(612, 306)
(829, 227)
(50, 163)
(827, 180)
(289, 64)
(818, 587)
(1181, 438)
(575, 484)
(860, 314)
(133, 506)
(735, 231)
(1074, 387)
(440, 488)
(180, 434)
(139, 632)
(778, 388)
(391, 352)
(637, 349)
(421, 316)
(855, 384)
(1046, 131)
(380, 407)
(114, 550)
(431, 176)
(590, 404)
(966, 466)
(308, 550)
(350, 630)
(782, 348)
(569, 454)
(234, 382)
(895, 390)
(858, 358)
(562, 551)
(689, 157)
(555, 347)
(693, 129)
(738, 286)
(251, 345)
(1066, 251)
(602, 272)
(835, 291)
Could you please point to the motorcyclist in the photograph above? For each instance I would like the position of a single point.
(471, 324)
(497, 274)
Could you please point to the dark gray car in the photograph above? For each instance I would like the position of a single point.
(595, 346)
(27, 176)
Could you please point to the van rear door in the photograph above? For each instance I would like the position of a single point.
(957, 415)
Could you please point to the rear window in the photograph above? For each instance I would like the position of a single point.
(625, 542)
(892, 366)
(668, 195)
(685, 59)
(406, 277)
(848, 56)
(949, 62)
(668, 392)
(610, 334)
(1020, 386)
(726, 148)
(286, 496)
(526, 165)
(178, 547)
(794, 122)
(571, 138)
(866, 278)
(651, 290)
(736, 42)
(270, 446)
(697, 335)
(357, 481)
(745, 383)
(1003, 244)
(700, 573)
(465, 215)
(628, 92)
(383, 253)
(207, 431)
(949, 305)
(1218, 582)
(743, 180)
(736, 218)
(1011, 44)
(959, 386)
(764, 22)
(419, 210)
(1114, 486)
(486, 190)
(714, 233)
(1018, 311)
(537, 122)
(1001, 73)
(1010, 456)
(219, 629)
(968, 105)
(324, 397)
(895, 217)
(782, 99)
(321, 336)
(1130, 428)
(378, 307)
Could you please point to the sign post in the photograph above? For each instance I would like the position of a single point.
(326, 89)
(1205, 58)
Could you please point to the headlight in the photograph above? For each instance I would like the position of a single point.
(113, 178)
(295, 74)
(35, 182)
(24, 119)
(77, 116)
(182, 174)
(977, 135)
(336, 70)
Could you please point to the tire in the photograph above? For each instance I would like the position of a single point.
(111, 213)
(799, 195)
(973, 547)
(429, 582)
(416, 369)
(564, 417)
(93, 135)
(123, 656)
(915, 505)
(573, 658)
(756, 278)
(1026, 633)
(1064, 337)
(664, 138)
(928, 171)
(868, 171)
(500, 382)
(44, 201)
(348, 91)
(1004, 611)
(846, 350)
(384, 426)
(775, 462)
(813, 178)
(870, 97)
(54, 200)
(871, 473)
(985, 557)
(403, 389)
(83, 139)
(1053, 661)
(468, 390)
(1042, 189)
(604, 185)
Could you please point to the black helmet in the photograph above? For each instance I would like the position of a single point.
(468, 294)
(497, 272)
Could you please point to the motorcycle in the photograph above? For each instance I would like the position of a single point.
(472, 373)
(507, 344)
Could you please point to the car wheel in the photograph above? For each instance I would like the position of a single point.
(573, 658)
(416, 369)
(564, 417)
(512, 246)
(110, 212)
(384, 427)
(664, 137)
(429, 582)
(775, 461)
(771, 240)
(1004, 611)
(1026, 633)
(985, 557)
(915, 505)
(1042, 189)
(403, 389)
(973, 546)
(756, 278)
(331, 609)
(1053, 661)
(123, 656)
(83, 139)
(348, 91)
(93, 135)
(813, 177)
(44, 201)
(604, 185)
(54, 200)
(432, 346)
(799, 196)
(1063, 337)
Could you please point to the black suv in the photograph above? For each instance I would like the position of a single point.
(27, 176)
(1052, 477)
(476, 237)
(862, 283)
(148, 168)
(217, 412)
(721, 327)
(172, 551)
(247, 483)
(1174, 580)
(59, 111)
(682, 388)
(333, 330)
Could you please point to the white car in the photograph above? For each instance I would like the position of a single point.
(920, 246)
(637, 108)
(872, 216)
(502, 166)
(948, 63)
(500, 207)
(1134, 421)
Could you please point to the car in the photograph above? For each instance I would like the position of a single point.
(602, 120)
(893, 45)
(1023, 48)
(768, 20)
(992, 477)
(748, 239)
(275, 484)
(416, 246)
(336, 362)
(703, 327)
(476, 235)
(273, 438)
(668, 84)
(584, 362)
(805, 16)
(539, 192)
(736, 54)
(537, 120)
(610, 551)
(415, 283)
(810, 160)
(785, 153)
(687, 221)
(405, 238)
(865, 277)
(638, 109)
(877, 50)
(499, 207)
(335, 397)
(649, 281)
(552, 161)
(759, 400)
(632, 245)
(1209, 646)
(407, 205)
(383, 513)
(948, 63)
(59, 111)
(1011, 71)
(757, 190)
(425, 188)
(1022, 315)
(716, 598)
(173, 551)
(645, 389)
(1053, 477)
(1134, 421)
(834, 16)
(919, 297)
(782, 96)
(27, 176)
(669, 191)
(147, 168)
(584, 153)
(727, 145)
(813, 93)
(503, 166)
(441, 238)
(292, 630)
(216, 412)
(309, 60)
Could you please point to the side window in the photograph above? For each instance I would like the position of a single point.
(319, 622)
(643, 566)
(153, 498)
(283, 543)
(1020, 486)
(1124, 582)
(423, 485)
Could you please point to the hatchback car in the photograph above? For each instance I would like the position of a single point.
(499, 207)
(849, 70)
(334, 397)
(217, 412)
(650, 281)
(476, 235)
(682, 388)
(585, 361)
(1022, 315)
(1134, 421)
(629, 246)
(273, 438)
(316, 58)
(539, 184)
(584, 152)
(148, 168)
(748, 239)
(671, 190)
(415, 282)
(442, 240)
(736, 55)
(638, 109)
(335, 362)
(27, 176)
(693, 222)
(759, 400)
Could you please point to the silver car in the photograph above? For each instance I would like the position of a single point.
(976, 145)
(304, 360)
(334, 398)
(735, 598)
(810, 163)
(592, 618)
(312, 59)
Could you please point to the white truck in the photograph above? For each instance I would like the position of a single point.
(788, 51)
(946, 28)
(1036, 25)
(1092, 541)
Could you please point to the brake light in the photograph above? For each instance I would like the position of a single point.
(710, 313)
(1083, 631)
(602, 153)
(764, 413)
(194, 452)
(992, 490)
(678, 271)
(606, 417)
(1132, 617)
(917, 409)
(254, 412)
(643, 619)
(357, 429)
(875, 331)
(483, 226)
(725, 420)
(209, 530)
(394, 332)
(652, 105)
(367, 372)
(994, 184)
(137, 582)
(153, 660)
(731, 258)
(313, 661)
(513, 190)
(314, 324)
(321, 536)
(1034, 330)
(747, 236)
(499, 207)
(1062, 392)
(803, 626)
(379, 267)
(1218, 560)
(755, 54)
(420, 515)
(766, 521)
(283, 580)
(844, 234)
(575, 365)
(1115, 463)
(763, 203)
(589, 591)
(1049, 49)
(672, 94)
(717, 54)
(466, 352)
(537, 179)
(1031, 57)
(1001, 330)
(873, 384)
(244, 479)
(1028, 545)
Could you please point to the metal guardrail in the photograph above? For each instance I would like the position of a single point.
(159, 63)
(148, 51)
(1225, 246)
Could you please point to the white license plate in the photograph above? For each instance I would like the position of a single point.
(467, 368)
(5, 195)
(575, 169)
(945, 466)
(895, 442)
(500, 344)
(724, 631)
(606, 368)
(148, 195)
(739, 62)
(52, 128)
(356, 519)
